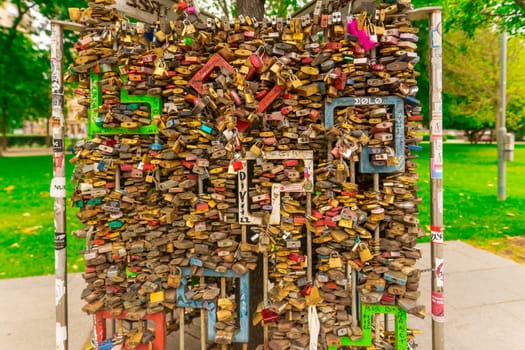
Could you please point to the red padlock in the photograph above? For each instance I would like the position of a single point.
(183, 5)
(201, 206)
(307, 60)
(286, 110)
(340, 81)
(290, 162)
(269, 316)
(237, 165)
(378, 67)
(306, 289)
(260, 94)
(255, 60)
(187, 164)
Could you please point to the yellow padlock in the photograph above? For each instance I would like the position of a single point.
(364, 252)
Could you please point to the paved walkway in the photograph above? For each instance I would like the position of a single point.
(485, 306)
(26, 151)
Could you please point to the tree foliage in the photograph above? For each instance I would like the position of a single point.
(470, 89)
(468, 15)
(471, 75)
(24, 68)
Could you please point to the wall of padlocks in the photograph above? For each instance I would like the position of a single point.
(213, 143)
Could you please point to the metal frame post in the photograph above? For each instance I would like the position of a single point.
(58, 186)
(502, 130)
(436, 180)
(58, 183)
(436, 171)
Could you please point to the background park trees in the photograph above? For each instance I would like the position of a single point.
(470, 58)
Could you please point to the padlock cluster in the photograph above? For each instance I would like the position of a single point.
(245, 163)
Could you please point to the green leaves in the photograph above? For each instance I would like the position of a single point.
(24, 68)
(471, 76)
(468, 15)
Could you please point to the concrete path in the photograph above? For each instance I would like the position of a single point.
(484, 294)
(26, 151)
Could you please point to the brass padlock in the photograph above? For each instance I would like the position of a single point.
(175, 277)
(364, 252)
(256, 150)
(160, 36)
(335, 260)
(189, 28)
(296, 82)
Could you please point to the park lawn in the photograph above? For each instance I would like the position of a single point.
(26, 218)
(471, 209)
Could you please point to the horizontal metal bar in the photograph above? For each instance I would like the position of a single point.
(76, 27)
(422, 13)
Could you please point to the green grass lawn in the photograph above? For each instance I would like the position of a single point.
(470, 183)
(26, 219)
(471, 209)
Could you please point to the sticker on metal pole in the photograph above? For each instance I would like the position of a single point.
(58, 187)
(437, 234)
(438, 307)
(440, 272)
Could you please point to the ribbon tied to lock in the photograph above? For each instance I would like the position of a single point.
(362, 29)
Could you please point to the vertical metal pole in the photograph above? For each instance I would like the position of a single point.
(58, 186)
(265, 293)
(502, 130)
(201, 282)
(243, 240)
(353, 272)
(223, 295)
(204, 315)
(309, 273)
(377, 250)
(377, 245)
(182, 332)
(436, 180)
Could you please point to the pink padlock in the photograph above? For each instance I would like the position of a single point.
(235, 97)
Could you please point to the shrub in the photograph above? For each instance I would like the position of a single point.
(26, 140)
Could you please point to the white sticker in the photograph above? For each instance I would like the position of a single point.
(60, 291)
(440, 272)
(437, 151)
(436, 127)
(58, 187)
(295, 187)
(437, 234)
(61, 336)
(436, 37)
(437, 110)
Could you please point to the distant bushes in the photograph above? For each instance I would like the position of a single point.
(426, 137)
(26, 140)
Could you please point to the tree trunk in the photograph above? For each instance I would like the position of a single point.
(4, 125)
(252, 8)
(48, 136)
(472, 136)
